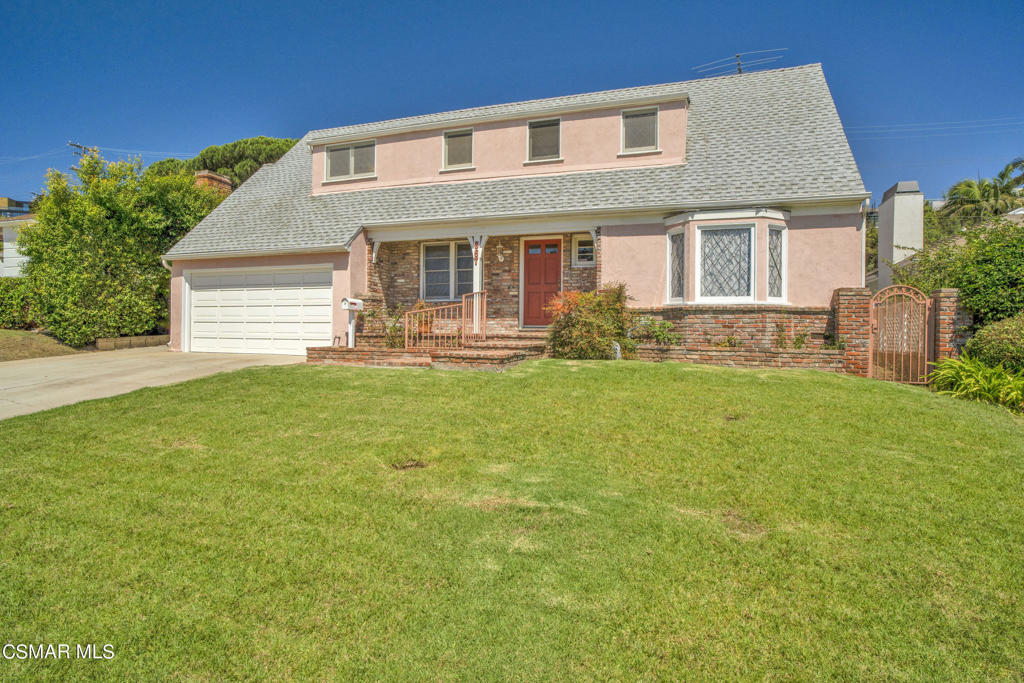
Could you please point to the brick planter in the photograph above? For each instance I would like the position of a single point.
(815, 359)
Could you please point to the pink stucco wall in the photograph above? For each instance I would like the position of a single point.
(338, 261)
(636, 255)
(589, 141)
(825, 252)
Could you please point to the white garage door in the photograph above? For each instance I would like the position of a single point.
(269, 310)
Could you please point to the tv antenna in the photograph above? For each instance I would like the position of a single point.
(723, 66)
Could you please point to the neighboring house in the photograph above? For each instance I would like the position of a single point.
(11, 259)
(738, 192)
(12, 207)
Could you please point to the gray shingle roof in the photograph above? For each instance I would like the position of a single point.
(767, 136)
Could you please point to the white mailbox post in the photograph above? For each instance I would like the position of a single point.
(353, 306)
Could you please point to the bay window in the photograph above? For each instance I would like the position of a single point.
(725, 263)
(776, 262)
(677, 266)
(446, 270)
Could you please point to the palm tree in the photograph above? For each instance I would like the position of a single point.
(987, 197)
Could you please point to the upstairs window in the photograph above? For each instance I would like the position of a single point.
(447, 270)
(545, 140)
(351, 161)
(458, 148)
(640, 130)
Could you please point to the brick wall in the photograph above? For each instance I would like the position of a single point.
(815, 359)
(749, 326)
(950, 324)
(851, 324)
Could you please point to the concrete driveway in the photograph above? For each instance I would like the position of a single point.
(41, 383)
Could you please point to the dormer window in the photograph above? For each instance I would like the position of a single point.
(640, 130)
(545, 140)
(345, 162)
(458, 149)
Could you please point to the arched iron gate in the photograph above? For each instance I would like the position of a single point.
(899, 335)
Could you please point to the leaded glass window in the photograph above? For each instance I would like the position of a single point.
(775, 263)
(725, 262)
(677, 261)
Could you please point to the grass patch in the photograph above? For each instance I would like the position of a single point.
(20, 344)
(572, 520)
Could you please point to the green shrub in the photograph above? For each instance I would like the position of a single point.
(970, 379)
(653, 331)
(987, 268)
(14, 313)
(1000, 343)
(589, 324)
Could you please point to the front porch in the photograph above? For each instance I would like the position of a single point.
(517, 272)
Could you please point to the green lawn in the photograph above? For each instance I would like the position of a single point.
(20, 344)
(572, 520)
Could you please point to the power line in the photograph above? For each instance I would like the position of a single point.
(725, 64)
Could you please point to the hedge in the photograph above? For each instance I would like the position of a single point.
(1000, 342)
(14, 313)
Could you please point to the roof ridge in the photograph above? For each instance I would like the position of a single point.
(456, 113)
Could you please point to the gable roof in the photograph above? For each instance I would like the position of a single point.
(764, 138)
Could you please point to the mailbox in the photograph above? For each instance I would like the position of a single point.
(351, 304)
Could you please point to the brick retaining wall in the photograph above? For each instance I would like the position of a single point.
(816, 359)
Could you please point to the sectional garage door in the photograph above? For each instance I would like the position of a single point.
(269, 310)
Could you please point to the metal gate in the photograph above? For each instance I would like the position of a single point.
(899, 335)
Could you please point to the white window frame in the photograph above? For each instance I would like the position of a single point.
(453, 272)
(575, 245)
(545, 160)
(681, 229)
(698, 251)
(622, 132)
(351, 162)
(785, 263)
(445, 166)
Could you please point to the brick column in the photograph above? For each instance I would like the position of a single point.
(949, 324)
(851, 307)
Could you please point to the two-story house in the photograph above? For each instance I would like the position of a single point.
(730, 191)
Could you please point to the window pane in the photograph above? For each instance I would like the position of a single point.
(459, 148)
(464, 268)
(585, 251)
(534, 249)
(725, 262)
(337, 162)
(436, 291)
(436, 271)
(640, 130)
(544, 140)
(363, 159)
(551, 249)
(677, 242)
(775, 263)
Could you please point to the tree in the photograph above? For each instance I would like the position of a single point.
(94, 252)
(987, 268)
(987, 197)
(237, 160)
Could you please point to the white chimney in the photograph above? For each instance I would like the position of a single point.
(900, 227)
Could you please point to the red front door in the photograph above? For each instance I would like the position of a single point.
(542, 278)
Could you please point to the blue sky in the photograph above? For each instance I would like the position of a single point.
(927, 91)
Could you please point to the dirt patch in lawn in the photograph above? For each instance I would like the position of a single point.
(22, 344)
